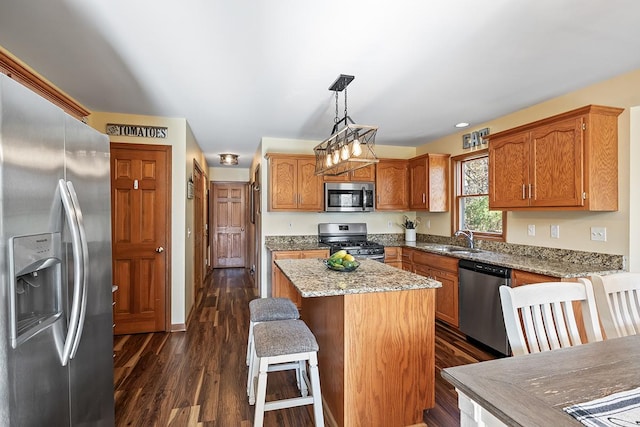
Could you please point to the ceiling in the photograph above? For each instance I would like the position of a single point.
(239, 70)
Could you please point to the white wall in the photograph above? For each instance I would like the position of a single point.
(622, 91)
(632, 194)
(177, 139)
(193, 152)
(229, 174)
(306, 223)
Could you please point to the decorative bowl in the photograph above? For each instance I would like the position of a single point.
(355, 264)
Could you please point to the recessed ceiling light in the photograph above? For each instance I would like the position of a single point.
(462, 125)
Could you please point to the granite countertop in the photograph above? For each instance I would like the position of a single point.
(286, 245)
(539, 260)
(313, 278)
(562, 269)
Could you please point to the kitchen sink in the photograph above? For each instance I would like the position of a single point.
(454, 249)
(462, 250)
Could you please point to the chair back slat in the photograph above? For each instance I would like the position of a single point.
(540, 317)
(618, 303)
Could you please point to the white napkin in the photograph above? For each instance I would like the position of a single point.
(618, 409)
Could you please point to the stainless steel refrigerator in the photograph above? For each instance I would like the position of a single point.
(56, 337)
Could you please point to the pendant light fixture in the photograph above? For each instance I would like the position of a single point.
(350, 145)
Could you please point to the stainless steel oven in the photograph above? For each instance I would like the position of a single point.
(349, 196)
(351, 237)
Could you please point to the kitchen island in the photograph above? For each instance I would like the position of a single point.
(532, 390)
(375, 328)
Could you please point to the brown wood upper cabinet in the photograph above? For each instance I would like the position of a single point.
(392, 185)
(564, 162)
(365, 174)
(428, 178)
(293, 184)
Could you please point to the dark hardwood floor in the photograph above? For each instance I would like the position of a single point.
(198, 377)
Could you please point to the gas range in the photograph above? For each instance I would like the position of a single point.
(351, 237)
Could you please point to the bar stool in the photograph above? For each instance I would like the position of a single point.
(267, 310)
(286, 342)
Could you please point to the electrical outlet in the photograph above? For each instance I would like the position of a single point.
(555, 231)
(428, 223)
(290, 225)
(389, 224)
(599, 234)
(531, 229)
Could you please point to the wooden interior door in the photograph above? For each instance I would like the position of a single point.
(229, 224)
(199, 229)
(140, 185)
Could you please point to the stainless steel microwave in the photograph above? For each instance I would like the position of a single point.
(349, 196)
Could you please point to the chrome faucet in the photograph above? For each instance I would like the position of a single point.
(468, 234)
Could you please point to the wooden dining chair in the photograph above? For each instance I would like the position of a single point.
(618, 303)
(540, 317)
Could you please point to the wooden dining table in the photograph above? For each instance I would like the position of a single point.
(532, 390)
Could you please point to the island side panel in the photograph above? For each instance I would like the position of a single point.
(376, 358)
(325, 318)
(390, 359)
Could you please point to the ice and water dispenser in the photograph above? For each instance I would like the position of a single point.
(36, 299)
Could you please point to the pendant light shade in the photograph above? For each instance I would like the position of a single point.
(350, 145)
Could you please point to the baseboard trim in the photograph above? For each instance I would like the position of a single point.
(178, 327)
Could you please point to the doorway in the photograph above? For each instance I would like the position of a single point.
(199, 227)
(141, 243)
(228, 202)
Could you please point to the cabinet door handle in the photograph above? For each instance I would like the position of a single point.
(529, 190)
(523, 194)
(424, 198)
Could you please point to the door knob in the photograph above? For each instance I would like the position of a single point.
(160, 249)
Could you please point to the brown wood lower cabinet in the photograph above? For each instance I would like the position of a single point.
(393, 256)
(444, 269)
(281, 287)
(523, 278)
(519, 278)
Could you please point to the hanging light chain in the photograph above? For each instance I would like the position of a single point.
(335, 120)
(345, 105)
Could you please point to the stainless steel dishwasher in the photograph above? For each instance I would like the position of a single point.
(479, 303)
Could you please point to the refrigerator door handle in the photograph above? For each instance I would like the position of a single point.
(78, 272)
(85, 266)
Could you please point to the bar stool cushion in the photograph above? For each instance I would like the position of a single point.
(270, 309)
(281, 337)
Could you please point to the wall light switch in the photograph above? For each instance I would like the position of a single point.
(599, 234)
(555, 231)
(389, 224)
(531, 229)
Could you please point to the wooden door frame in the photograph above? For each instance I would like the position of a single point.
(168, 249)
(202, 214)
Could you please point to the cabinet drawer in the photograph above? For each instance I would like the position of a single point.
(436, 261)
(392, 254)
